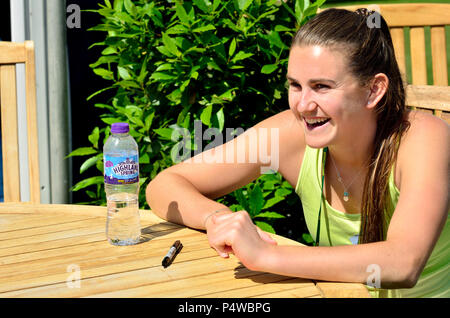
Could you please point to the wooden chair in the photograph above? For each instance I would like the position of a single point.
(12, 54)
(430, 98)
(417, 19)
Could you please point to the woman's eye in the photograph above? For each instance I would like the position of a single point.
(321, 86)
(294, 85)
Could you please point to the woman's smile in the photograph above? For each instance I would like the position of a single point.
(314, 123)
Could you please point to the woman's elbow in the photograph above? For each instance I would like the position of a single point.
(412, 275)
(151, 191)
(408, 275)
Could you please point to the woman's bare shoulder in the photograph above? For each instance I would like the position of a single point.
(424, 126)
(283, 119)
(425, 146)
(291, 143)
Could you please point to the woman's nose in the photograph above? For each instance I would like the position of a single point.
(306, 103)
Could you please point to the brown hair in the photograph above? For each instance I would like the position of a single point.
(369, 51)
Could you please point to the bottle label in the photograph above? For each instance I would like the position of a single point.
(121, 170)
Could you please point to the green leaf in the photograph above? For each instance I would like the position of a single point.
(275, 40)
(282, 192)
(205, 116)
(181, 13)
(232, 47)
(205, 28)
(272, 201)
(269, 68)
(108, 75)
(177, 29)
(143, 73)
(118, 5)
(241, 55)
(256, 200)
(93, 137)
(307, 238)
(159, 76)
(104, 60)
(242, 5)
(110, 120)
(164, 67)
(166, 133)
(129, 6)
(269, 215)
(282, 28)
(228, 95)
(148, 121)
(82, 151)
(87, 182)
(242, 200)
(266, 227)
(89, 163)
(203, 5)
(123, 73)
(220, 119)
(170, 44)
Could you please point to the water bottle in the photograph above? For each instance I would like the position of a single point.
(121, 173)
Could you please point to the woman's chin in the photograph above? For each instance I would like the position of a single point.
(317, 145)
(316, 141)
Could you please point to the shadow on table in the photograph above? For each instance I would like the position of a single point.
(242, 272)
(161, 229)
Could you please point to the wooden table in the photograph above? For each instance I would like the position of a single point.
(61, 251)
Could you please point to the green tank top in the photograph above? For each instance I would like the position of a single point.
(339, 228)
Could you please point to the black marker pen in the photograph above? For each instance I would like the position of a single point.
(173, 251)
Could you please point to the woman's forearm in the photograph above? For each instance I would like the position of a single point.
(387, 265)
(175, 199)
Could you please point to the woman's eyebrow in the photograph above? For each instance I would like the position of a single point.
(313, 80)
(291, 79)
(321, 80)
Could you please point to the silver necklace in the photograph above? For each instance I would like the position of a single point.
(346, 193)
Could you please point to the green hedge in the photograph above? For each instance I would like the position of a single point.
(172, 64)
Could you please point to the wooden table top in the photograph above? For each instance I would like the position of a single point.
(56, 250)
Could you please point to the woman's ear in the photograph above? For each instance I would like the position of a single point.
(378, 87)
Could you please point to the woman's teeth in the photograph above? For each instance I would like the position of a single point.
(312, 123)
(316, 120)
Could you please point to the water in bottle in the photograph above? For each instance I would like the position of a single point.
(121, 172)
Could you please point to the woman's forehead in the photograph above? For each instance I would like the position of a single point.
(317, 61)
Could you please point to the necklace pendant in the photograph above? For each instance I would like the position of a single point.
(346, 196)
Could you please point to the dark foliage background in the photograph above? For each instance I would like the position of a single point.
(164, 66)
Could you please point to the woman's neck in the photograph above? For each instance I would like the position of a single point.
(355, 154)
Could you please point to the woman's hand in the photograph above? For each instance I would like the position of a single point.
(235, 233)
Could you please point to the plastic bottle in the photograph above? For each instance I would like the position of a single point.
(121, 173)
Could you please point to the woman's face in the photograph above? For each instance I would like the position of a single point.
(327, 99)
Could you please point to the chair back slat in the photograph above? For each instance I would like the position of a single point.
(10, 141)
(398, 40)
(12, 54)
(439, 57)
(33, 148)
(418, 56)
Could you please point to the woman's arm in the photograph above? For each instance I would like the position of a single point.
(185, 193)
(415, 227)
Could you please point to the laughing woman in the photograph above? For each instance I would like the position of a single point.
(373, 177)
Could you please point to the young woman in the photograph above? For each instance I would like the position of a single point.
(373, 177)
